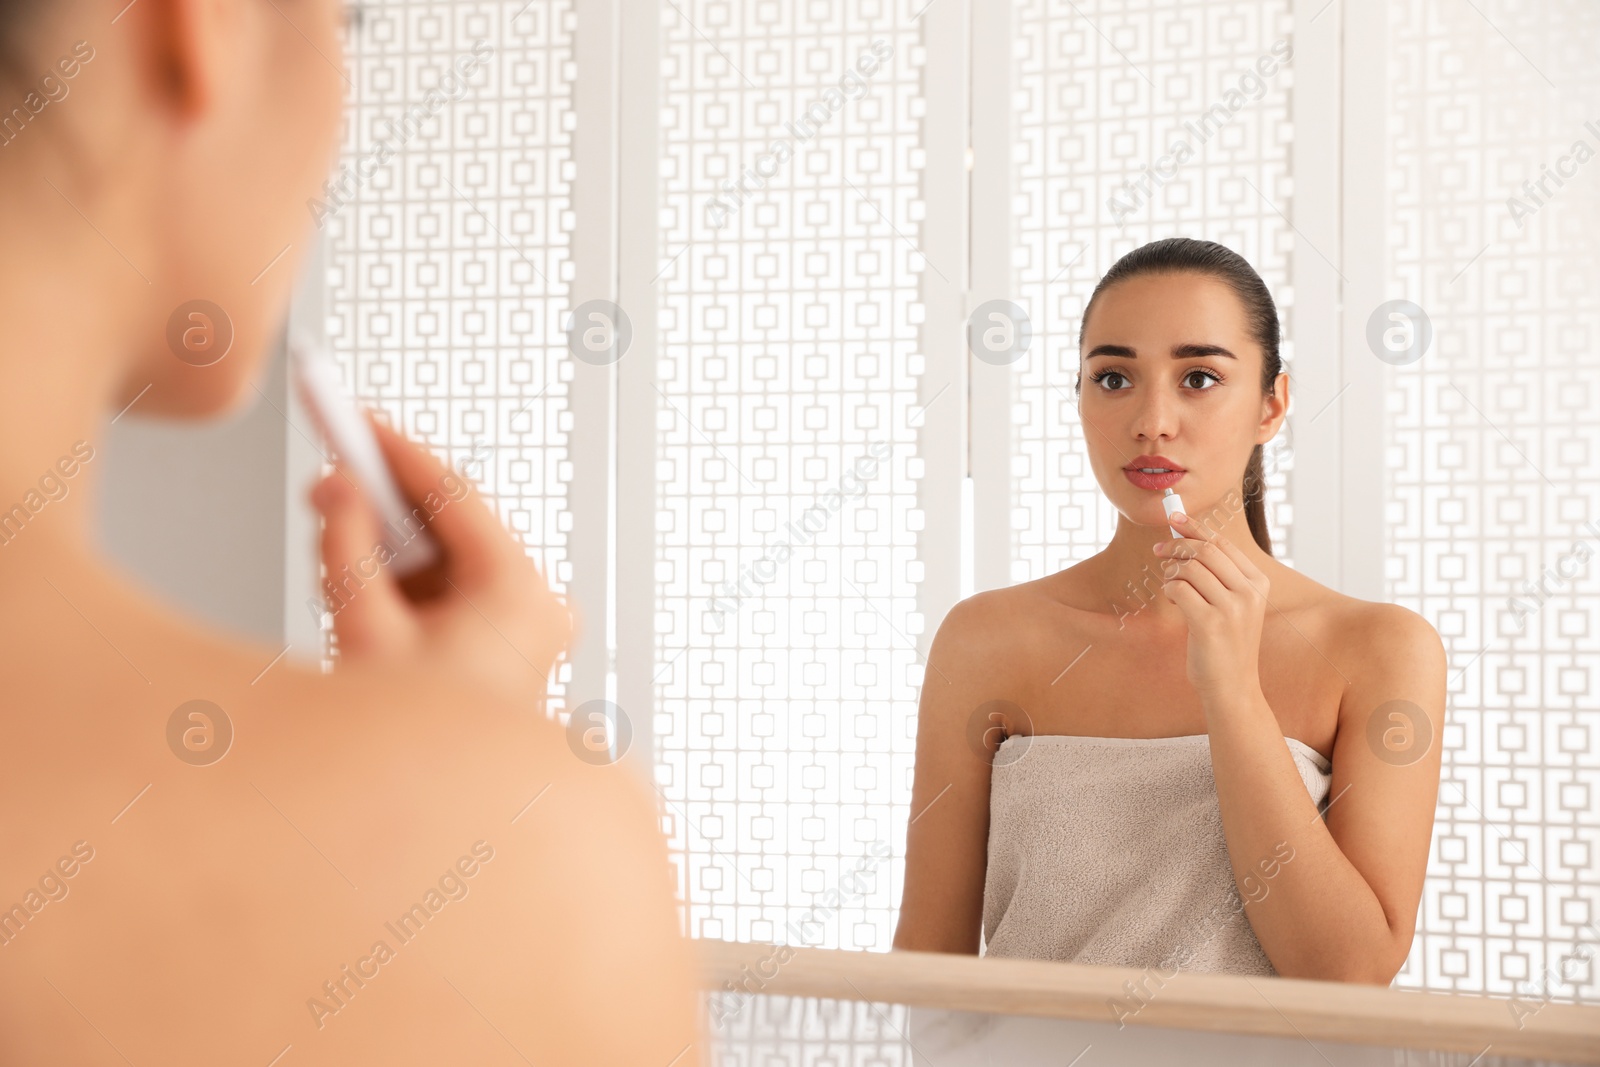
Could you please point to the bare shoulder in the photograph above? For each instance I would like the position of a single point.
(1024, 607)
(1391, 654)
(295, 842)
(1003, 628)
(1363, 629)
(1379, 626)
(1386, 654)
(1348, 624)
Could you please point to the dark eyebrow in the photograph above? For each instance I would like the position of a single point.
(1184, 351)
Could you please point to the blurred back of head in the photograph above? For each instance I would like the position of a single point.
(156, 159)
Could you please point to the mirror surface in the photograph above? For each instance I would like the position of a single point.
(772, 366)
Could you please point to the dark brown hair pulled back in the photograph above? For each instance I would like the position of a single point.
(13, 15)
(1181, 255)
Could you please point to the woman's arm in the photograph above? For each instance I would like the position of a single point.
(1344, 907)
(947, 838)
(1333, 899)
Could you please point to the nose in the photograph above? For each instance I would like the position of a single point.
(1156, 416)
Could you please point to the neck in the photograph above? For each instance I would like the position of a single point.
(62, 365)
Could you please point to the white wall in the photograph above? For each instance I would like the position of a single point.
(191, 509)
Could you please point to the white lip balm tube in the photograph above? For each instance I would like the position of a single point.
(344, 428)
(1171, 502)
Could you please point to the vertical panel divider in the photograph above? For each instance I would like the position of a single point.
(638, 221)
(994, 243)
(1318, 417)
(1364, 164)
(943, 385)
(595, 143)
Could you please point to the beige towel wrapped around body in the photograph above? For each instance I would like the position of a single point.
(1109, 850)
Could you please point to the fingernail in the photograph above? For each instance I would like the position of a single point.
(1179, 516)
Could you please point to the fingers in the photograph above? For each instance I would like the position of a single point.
(1183, 594)
(1246, 565)
(1199, 576)
(1224, 560)
(476, 545)
(368, 610)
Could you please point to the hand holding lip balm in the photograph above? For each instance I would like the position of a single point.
(1171, 502)
(345, 429)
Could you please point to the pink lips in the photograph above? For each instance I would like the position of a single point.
(1156, 482)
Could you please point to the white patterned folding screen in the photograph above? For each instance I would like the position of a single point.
(447, 230)
(1493, 510)
(794, 375)
(786, 535)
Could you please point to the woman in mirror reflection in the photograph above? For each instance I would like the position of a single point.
(1180, 753)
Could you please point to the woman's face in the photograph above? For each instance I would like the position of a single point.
(1168, 369)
